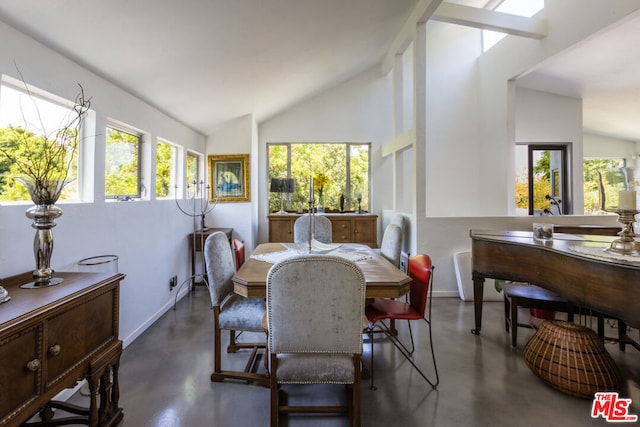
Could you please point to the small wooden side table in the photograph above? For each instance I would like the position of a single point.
(196, 244)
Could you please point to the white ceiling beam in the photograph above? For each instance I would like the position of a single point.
(420, 14)
(485, 19)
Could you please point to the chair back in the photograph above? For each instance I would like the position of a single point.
(315, 304)
(220, 263)
(322, 229)
(421, 273)
(391, 246)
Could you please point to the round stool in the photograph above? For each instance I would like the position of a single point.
(571, 358)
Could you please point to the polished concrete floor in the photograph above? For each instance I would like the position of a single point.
(164, 378)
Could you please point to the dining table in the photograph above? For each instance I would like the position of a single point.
(383, 279)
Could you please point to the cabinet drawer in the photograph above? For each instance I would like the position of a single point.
(21, 370)
(341, 231)
(77, 333)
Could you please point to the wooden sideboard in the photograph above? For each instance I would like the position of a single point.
(345, 228)
(53, 337)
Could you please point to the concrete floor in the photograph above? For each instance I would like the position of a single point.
(164, 378)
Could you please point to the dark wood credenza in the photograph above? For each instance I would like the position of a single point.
(51, 338)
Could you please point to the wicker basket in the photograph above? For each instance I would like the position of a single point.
(572, 359)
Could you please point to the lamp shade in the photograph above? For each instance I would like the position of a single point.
(289, 185)
(277, 185)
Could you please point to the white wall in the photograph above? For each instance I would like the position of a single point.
(237, 137)
(468, 157)
(485, 170)
(545, 118)
(358, 110)
(471, 129)
(599, 146)
(148, 236)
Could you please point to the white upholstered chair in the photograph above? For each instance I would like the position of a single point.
(322, 229)
(391, 246)
(314, 315)
(231, 311)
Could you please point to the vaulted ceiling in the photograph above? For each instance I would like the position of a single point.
(208, 61)
(204, 62)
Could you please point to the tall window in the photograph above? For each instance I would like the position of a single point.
(122, 164)
(344, 168)
(24, 120)
(166, 169)
(603, 179)
(193, 169)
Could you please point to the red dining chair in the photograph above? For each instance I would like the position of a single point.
(420, 293)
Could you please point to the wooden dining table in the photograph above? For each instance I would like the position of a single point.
(383, 279)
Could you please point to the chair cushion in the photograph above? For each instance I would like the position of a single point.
(314, 368)
(242, 313)
(383, 308)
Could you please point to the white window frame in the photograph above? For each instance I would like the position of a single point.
(144, 154)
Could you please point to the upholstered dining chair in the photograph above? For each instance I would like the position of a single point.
(419, 307)
(231, 312)
(391, 245)
(321, 229)
(314, 318)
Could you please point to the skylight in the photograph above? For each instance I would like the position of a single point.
(526, 8)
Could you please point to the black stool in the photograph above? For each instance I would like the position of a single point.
(530, 296)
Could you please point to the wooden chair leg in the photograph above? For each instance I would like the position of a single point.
(232, 347)
(217, 345)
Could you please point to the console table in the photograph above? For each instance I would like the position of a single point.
(606, 285)
(345, 228)
(53, 337)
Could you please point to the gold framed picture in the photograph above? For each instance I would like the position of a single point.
(229, 178)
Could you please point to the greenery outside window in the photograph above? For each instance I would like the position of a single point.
(166, 169)
(194, 175)
(603, 179)
(35, 113)
(122, 164)
(346, 167)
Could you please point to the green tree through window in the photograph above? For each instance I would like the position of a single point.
(122, 173)
(346, 166)
(165, 170)
(24, 120)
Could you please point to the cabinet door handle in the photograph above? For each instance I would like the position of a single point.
(33, 365)
(54, 350)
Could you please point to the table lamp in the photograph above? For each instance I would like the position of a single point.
(278, 186)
